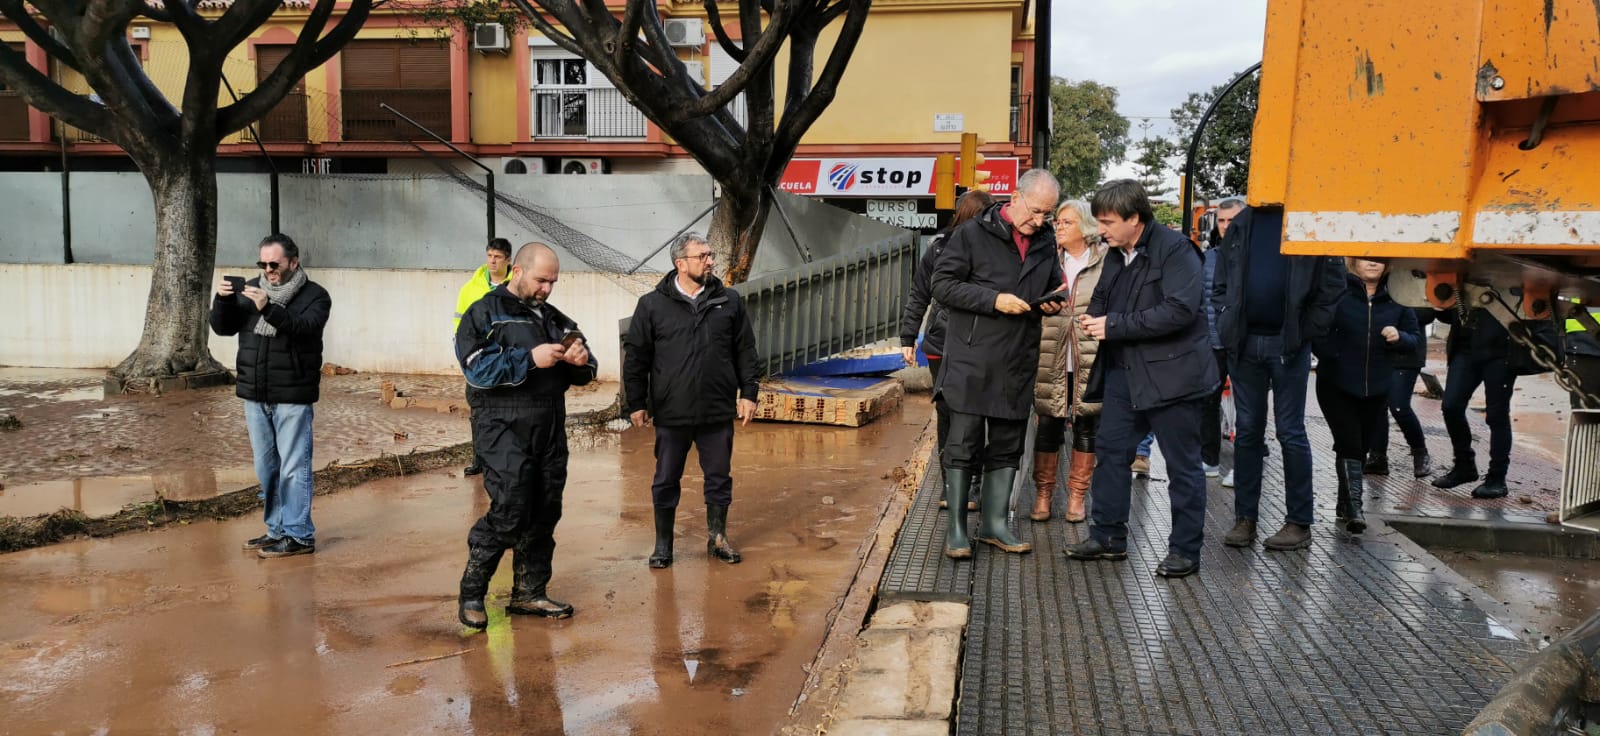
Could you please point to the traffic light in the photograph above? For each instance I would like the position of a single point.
(970, 176)
(944, 182)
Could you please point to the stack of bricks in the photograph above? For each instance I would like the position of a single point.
(806, 402)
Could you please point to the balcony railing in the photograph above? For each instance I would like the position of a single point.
(1021, 120)
(585, 113)
(13, 117)
(365, 121)
(285, 123)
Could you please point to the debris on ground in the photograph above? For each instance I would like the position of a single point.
(10, 423)
(334, 369)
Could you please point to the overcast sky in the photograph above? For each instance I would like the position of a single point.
(1155, 52)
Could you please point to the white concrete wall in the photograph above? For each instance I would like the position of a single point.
(91, 316)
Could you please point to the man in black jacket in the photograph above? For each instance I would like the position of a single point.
(690, 367)
(519, 355)
(992, 267)
(1269, 308)
(1154, 371)
(279, 319)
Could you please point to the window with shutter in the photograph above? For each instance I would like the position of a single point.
(287, 121)
(413, 77)
(13, 111)
(572, 99)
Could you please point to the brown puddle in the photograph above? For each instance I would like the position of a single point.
(181, 631)
(103, 496)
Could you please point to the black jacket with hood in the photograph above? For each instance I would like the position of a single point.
(992, 359)
(688, 362)
(287, 367)
(1315, 285)
(495, 344)
(921, 299)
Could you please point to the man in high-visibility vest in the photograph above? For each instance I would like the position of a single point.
(1583, 353)
(495, 270)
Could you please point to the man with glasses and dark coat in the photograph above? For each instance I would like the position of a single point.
(993, 268)
(690, 367)
(279, 319)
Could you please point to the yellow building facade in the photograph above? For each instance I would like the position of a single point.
(924, 72)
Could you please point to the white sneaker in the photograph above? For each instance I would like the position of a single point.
(1212, 471)
(1227, 480)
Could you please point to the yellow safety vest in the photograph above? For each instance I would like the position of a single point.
(474, 290)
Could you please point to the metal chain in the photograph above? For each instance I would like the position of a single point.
(1565, 377)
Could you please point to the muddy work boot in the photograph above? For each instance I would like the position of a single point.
(956, 483)
(528, 579)
(1045, 467)
(481, 563)
(992, 528)
(1292, 536)
(662, 556)
(1243, 533)
(717, 545)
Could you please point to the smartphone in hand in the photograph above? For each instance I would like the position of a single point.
(237, 282)
(570, 338)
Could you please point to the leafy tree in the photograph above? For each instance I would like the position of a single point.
(174, 146)
(1222, 162)
(1154, 162)
(747, 160)
(1086, 133)
(1169, 214)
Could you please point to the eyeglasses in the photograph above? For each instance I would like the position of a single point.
(702, 257)
(269, 265)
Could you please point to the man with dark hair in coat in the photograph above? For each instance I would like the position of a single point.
(1154, 371)
(519, 355)
(1269, 308)
(279, 319)
(690, 367)
(992, 268)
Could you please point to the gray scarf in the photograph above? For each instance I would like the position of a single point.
(280, 295)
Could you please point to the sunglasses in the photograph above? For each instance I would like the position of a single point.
(269, 265)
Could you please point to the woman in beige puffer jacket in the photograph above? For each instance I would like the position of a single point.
(1065, 355)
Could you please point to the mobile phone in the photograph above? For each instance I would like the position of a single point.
(571, 337)
(237, 282)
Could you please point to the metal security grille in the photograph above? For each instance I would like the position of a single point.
(1580, 476)
(835, 304)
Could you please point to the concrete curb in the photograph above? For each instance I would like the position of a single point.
(1543, 540)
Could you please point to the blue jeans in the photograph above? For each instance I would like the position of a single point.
(1177, 428)
(1466, 372)
(1144, 445)
(1261, 368)
(280, 435)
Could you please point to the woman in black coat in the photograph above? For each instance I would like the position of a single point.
(1355, 369)
(1406, 369)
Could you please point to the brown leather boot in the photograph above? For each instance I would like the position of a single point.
(1078, 475)
(1045, 465)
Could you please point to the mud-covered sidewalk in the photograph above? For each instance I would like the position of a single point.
(178, 630)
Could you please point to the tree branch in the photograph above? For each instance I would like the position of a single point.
(714, 16)
(759, 56)
(628, 34)
(547, 29)
(798, 119)
(309, 52)
(243, 17)
(49, 97)
(17, 13)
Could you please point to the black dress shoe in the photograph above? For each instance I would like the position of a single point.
(541, 606)
(286, 547)
(473, 469)
(1092, 549)
(1492, 487)
(1460, 474)
(1177, 566)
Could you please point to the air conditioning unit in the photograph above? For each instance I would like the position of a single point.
(522, 165)
(582, 166)
(490, 37)
(685, 32)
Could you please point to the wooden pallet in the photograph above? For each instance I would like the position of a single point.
(844, 402)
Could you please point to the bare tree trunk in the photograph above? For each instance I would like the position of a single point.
(175, 327)
(736, 230)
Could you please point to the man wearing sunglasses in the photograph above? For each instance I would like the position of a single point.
(279, 318)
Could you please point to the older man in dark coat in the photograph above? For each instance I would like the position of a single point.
(1154, 371)
(992, 268)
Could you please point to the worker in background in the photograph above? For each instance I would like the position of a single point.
(495, 270)
(1583, 353)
